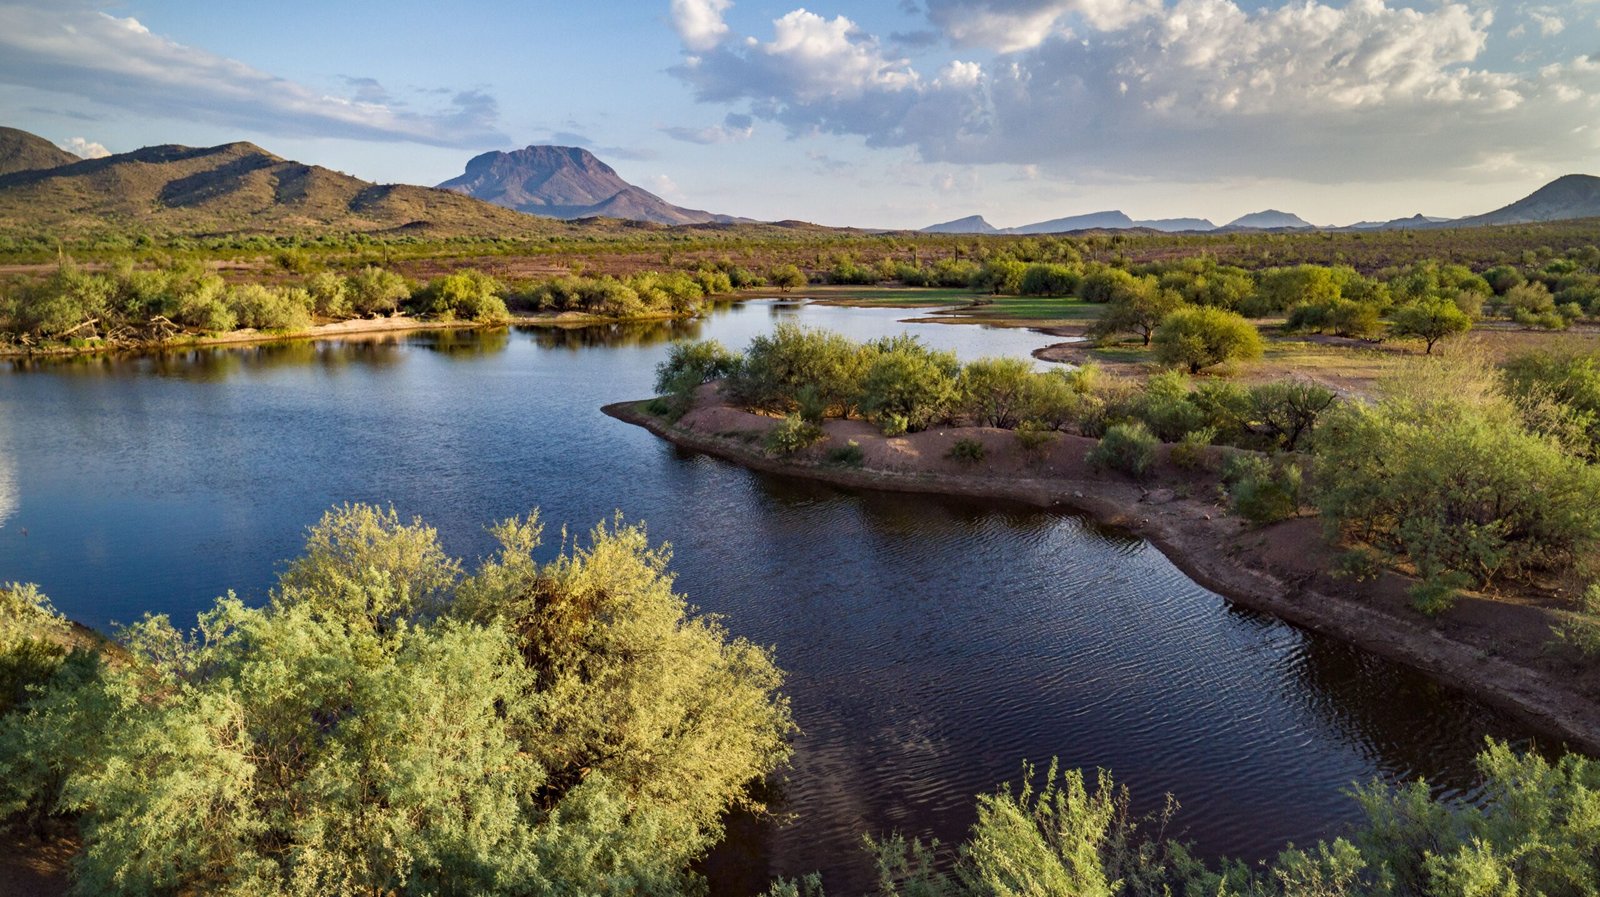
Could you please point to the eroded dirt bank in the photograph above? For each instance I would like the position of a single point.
(1497, 648)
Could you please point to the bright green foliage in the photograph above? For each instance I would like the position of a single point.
(465, 295)
(1138, 306)
(1193, 451)
(1430, 320)
(269, 308)
(1263, 490)
(780, 364)
(1560, 394)
(1035, 439)
(848, 455)
(1129, 448)
(1100, 283)
(786, 277)
(1279, 289)
(1342, 317)
(1165, 408)
(1048, 280)
(1198, 338)
(1001, 277)
(1283, 415)
(58, 304)
(1581, 628)
(374, 291)
(999, 392)
(793, 434)
(688, 366)
(1442, 473)
(385, 726)
(906, 380)
(330, 294)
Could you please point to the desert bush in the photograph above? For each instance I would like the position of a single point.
(1283, 414)
(1198, 338)
(1138, 307)
(967, 451)
(778, 365)
(269, 308)
(1262, 490)
(374, 291)
(465, 295)
(997, 392)
(1193, 451)
(1044, 279)
(1035, 439)
(905, 379)
(848, 455)
(1442, 473)
(793, 434)
(329, 294)
(1558, 391)
(1129, 448)
(1581, 628)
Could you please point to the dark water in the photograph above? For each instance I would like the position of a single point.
(931, 644)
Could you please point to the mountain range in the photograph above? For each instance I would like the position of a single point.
(568, 182)
(240, 187)
(1567, 197)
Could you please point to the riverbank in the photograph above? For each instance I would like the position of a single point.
(333, 330)
(1499, 648)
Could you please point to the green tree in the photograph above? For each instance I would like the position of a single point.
(786, 277)
(1430, 320)
(1198, 338)
(1138, 306)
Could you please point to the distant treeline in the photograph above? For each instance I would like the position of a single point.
(624, 248)
(75, 305)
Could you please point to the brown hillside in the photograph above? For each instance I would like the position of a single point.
(21, 151)
(231, 188)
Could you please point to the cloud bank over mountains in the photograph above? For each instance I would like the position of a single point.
(1190, 89)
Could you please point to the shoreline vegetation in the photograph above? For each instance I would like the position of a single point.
(1237, 518)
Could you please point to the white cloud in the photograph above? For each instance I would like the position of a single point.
(1200, 89)
(1549, 22)
(74, 49)
(661, 185)
(84, 148)
(699, 22)
(1007, 26)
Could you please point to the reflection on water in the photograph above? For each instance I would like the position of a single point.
(931, 644)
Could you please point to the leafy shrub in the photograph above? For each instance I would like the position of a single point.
(778, 365)
(893, 425)
(1048, 280)
(1441, 472)
(329, 294)
(691, 364)
(1198, 338)
(1436, 593)
(269, 308)
(1283, 415)
(1035, 439)
(1137, 306)
(786, 277)
(793, 434)
(466, 295)
(1165, 408)
(1128, 447)
(908, 380)
(967, 451)
(374, 291)
(1262, 491)
(1193, 451)
(997, 392)
(849, 454)
(1581, 628)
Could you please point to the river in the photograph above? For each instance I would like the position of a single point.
(931, 645)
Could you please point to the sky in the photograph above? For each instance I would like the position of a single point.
(888, 113)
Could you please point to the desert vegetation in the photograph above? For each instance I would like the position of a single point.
(392, 723)
(1458, 471)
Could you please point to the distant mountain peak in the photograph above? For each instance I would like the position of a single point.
(567, 182)
(972, 224)
(1568, 196)
(1268, 219)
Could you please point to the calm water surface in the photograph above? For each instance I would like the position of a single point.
(931, 644)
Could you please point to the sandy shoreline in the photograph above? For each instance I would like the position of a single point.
(1497, 649)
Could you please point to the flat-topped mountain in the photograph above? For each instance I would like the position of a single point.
(566, 182)
(21, 151)
(1570, 196)
(230, 188)
(972, 224)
